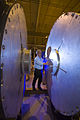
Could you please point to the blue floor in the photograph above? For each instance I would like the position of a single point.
(36, 107)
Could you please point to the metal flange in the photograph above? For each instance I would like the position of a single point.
(13, 36)
(65, 89)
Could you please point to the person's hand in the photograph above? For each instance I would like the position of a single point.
(45, 63)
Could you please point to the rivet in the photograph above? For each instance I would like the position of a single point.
(9, 19)
(17, 6)
(6, 31)
(20, 6)
(3, 47)
(2, 66)
(12, 11)
(76, 16)
(65, 14)
(73, 14)
(3, 98)
(1, 85)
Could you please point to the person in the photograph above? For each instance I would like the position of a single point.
(49, 71)
(46, 67)
(48, 52)
(38, 65)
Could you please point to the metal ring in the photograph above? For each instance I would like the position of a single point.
(58, 65)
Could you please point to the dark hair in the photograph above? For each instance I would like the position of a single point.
(49, 48)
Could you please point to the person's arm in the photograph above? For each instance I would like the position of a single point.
(45, 63)
(39, 62)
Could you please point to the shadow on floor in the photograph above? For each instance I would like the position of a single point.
(32, 118)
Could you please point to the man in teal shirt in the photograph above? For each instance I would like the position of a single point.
(38, 65)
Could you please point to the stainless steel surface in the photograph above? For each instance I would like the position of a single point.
(64, 87)
(13, 41)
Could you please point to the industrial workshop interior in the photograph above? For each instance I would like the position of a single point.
(39, 59)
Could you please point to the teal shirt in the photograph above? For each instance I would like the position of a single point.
(38, 63)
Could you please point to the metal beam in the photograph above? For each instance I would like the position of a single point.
(33, 45)
(40, 34)
(43, 3)
(37, 22)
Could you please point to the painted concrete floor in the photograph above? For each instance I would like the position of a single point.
(36, 107)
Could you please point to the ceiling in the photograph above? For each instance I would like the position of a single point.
(41, 15)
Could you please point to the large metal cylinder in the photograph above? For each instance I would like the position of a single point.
(64, 81)
(12, 41)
